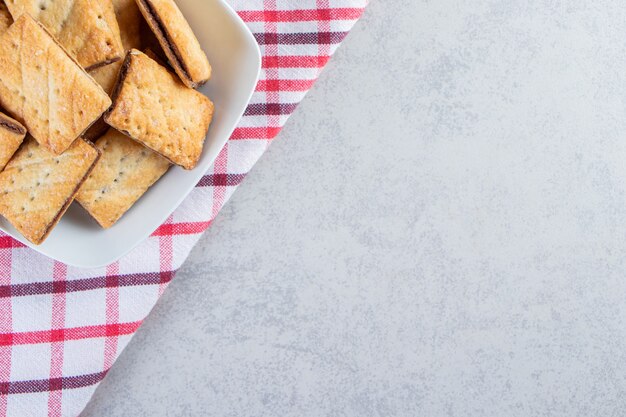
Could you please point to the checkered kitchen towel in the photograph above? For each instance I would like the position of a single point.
(61, 328)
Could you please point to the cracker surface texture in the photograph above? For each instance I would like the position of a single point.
(87, 29)
(37, 187)
(44, 89)
(124, 173)
(129, 19)
(177, 40)
(152, 106)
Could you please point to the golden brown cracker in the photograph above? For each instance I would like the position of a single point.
(106, 76)
(44, 88)
(152, 106)
(87, 29)
(129, 19)
(124, 173)
(177, 40)
(37, 187)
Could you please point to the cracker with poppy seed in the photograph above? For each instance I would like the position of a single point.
(124, 173)
(37, 187)
(87, 29)
(43, 88)
(152, 106)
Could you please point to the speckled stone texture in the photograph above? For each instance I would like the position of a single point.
(440, 230)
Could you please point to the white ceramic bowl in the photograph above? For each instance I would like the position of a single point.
(236, 60)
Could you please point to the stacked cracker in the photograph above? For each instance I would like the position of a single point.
(90, 116)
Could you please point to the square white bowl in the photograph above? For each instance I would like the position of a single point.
(236, 60)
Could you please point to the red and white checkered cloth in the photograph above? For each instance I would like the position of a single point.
(61, 328)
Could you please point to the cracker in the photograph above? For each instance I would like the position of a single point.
(44, 89)
(129, 18)
(36, 187)
(5, 17)
(106, 77)
(87, 29)
(123, 174)
(177, 40)
(152, 106)
(12, 135)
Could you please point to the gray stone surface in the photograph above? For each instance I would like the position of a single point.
(440, 230)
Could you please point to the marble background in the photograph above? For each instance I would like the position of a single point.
(440, 230)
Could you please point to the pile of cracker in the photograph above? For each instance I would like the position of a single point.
(86, 115)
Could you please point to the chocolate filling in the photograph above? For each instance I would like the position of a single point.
(120, 80)
(166, 36)
(102, 64)
(12, 127)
